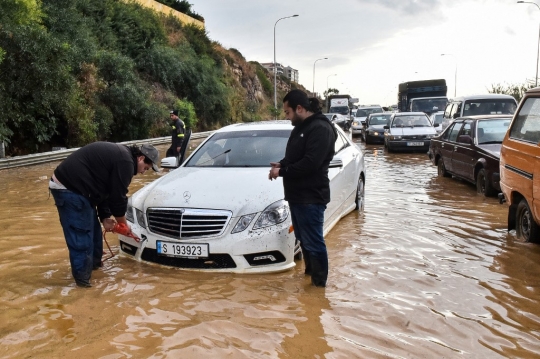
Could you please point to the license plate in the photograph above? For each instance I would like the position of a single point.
(182, 250)
(415, 143)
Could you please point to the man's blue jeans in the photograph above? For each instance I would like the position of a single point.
(82, 231)
(308, 221)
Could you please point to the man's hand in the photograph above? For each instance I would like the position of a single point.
(274, 171)
(178, 149)
(108, 224)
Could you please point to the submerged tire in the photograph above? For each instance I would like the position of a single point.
(526, 227)
(483, 185)
(360, 195)
(441, 170)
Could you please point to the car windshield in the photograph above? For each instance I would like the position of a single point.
(364, 112)
(379, 119)
(428, 105)
(241, 149)
(487, 107)
(343, 110)
(491, 131)
(411, 121)
(438, 118)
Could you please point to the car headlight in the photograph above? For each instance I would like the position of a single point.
(374, 133)
(395, 137)
(140, 218)
(430, 136)
(355, 123)
(274, 214)
(243, 223)
(129, 212)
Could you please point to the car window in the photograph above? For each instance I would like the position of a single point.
(491, 131)
(526, 126)
(411, 121)
(448, 110)
(241, 149)
(452, 133)
(364, 112)
(341, 143)
(437, 118)
(466, 130)
(489, 106)
(455, 110)
(379, 119)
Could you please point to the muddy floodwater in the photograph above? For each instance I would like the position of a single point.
(427, 271)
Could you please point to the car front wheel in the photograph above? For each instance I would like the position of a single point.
(526, 227)
(360, 195)
(441, 169)
(483, 185)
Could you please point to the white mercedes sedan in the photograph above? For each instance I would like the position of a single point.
(219, 211)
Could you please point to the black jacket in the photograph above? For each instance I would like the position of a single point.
(305, 167)
(102, 172)
(177, 133)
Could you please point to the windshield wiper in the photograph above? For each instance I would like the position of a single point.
(213, 158)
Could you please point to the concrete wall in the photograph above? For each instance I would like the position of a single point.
(166, 10)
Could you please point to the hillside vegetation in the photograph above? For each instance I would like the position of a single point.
(77, 71)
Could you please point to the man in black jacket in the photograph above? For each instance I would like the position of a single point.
(89, 187)
(178, 130)
(305, 178)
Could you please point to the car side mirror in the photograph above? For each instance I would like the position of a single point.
(465, 139)
(386, 127)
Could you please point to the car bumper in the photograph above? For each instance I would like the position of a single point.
(375, 138)
(409, 145)
(267, 250)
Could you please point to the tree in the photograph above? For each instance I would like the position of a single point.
(515, 90)
(331, 91)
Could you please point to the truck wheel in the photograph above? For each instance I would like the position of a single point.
(526, 227)
(483, 185)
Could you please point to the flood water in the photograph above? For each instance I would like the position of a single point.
(427, 271)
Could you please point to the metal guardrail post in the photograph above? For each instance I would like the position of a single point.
(44, 157)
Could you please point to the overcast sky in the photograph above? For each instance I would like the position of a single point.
(373, 45)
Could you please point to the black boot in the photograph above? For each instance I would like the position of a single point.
(319, 270)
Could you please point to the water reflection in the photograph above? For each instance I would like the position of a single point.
(427, 271)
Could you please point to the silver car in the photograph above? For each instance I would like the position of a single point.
(409, 131)
(360, 117)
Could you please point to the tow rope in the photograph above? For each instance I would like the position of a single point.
(119, 228)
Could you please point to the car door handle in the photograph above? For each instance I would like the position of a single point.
(336, 163)
(455, 148)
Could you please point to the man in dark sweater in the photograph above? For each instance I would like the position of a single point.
(89, 187)
(305, 178)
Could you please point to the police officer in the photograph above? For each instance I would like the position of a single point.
(178, 130)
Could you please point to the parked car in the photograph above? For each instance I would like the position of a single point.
(438, 118)
(520, 161)
(488, 104)
(373, 129)
(360, 117)
(470, 149)
(408, 131)
(341, 120)
(218, 210)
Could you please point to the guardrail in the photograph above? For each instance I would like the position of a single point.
(38, 158)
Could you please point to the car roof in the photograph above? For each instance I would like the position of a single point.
(484, 117)
(379, 113)
(534, 90)
(259, 125)
(479, 97)
(428, 98)
(370, 106)
(396, 114)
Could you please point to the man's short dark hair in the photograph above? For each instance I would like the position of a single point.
(296, 97)
(174, 112)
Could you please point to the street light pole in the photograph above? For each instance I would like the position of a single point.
(327, 87)
(455, 73)
(275, 68)
(325, 58)
(538, 50)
